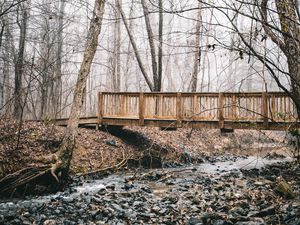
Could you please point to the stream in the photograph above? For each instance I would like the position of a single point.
(228, 190)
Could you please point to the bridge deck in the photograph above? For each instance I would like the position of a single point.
(270, 111)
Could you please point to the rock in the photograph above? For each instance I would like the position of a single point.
(117, 207)
(146, 216)
(195, 221)
(138, 203)
(127, 187)
(253, 221)
(220, 222)
(146, 189)
(171, 198)
(265, 212)
(155, 209)
(163, 212)
(49, 222)
(102, 191)
(111, 187)
(186, 157)
(111, 143)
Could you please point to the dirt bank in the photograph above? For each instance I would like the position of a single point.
(34, 143)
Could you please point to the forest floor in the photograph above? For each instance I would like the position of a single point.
(32, 144)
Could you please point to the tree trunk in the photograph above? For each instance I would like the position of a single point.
(291, 48)
(152, 46)
(2, 24)
(65, 152)
(19, 64)
(128, 58)
(288, 42)
(197, 56)
(56, 98)
(116, 76)
(160, 47)
(135, 49)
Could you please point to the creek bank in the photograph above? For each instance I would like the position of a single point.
(182, 195)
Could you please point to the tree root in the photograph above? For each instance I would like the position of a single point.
(12, 181)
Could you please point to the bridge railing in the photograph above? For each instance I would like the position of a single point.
(255, 107)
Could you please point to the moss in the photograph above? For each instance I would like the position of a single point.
(1, 173)
(284, 189)
(78, 169)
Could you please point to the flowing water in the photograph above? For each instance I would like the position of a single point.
(147, 195)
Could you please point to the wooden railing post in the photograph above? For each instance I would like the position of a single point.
(194, 111)
(141, 109)
(221, 110)
(100, 109)
(178, 110)
(264, 109)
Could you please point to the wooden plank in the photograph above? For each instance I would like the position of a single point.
(141, 109)
(100, 108)
(194, 105)
(234, 107)
(179, 110)
(264, 109)
(221, 110)
(161, 110)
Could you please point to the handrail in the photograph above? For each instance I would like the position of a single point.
(182, 106)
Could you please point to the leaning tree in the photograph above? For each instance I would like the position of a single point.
(62, 158)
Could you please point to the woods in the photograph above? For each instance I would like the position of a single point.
(57, 56)
(150, 112)
(146, 46)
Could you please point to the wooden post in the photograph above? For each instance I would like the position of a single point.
(273, 109)
(123, 104)
(221, 110)
(194, 105)
(100, 108)
(161, 106)
(264, 109)
(234, 107)
(178, 110)
(141, 109)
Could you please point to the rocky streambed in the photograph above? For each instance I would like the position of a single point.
(225, 190)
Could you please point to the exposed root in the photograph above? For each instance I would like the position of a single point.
(11, 182)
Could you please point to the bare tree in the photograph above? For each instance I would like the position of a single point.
(160, 46)
(288, 42)
(197, 56)
(152, 46)
(135, 49)
(56, 90)
(116, 70)
(284, 32)
(19, 61)
(64, 155)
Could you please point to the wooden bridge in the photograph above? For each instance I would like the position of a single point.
(255, 110)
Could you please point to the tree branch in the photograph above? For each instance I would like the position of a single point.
(274, 37)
